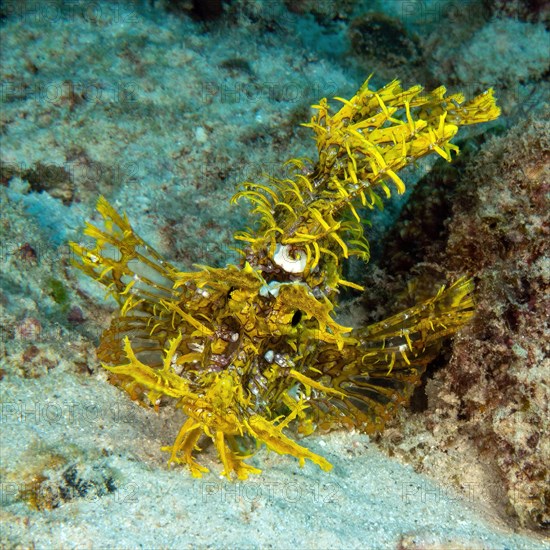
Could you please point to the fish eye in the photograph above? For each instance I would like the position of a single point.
(296, 318)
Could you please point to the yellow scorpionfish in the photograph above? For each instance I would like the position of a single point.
(253, 353)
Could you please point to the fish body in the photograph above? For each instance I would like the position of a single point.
(251, 351)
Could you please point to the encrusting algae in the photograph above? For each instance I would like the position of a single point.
(249, 350)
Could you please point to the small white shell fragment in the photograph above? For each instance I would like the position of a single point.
(291, 262)
(200, 134)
